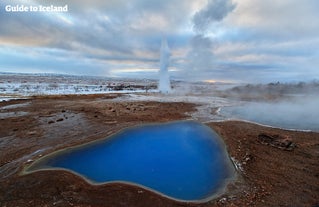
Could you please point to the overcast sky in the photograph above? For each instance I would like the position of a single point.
(225, 40)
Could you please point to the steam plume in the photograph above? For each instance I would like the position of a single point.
(201, 56)
(215, 11)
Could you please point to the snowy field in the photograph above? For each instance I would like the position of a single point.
(289, 106)
(24, 85)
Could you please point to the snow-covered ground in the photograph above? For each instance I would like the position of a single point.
(24, 85)
(30, 89)
(299, 112)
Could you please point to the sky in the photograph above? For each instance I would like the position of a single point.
(209, 40)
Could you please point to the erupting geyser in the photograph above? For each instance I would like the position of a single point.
(164, 85)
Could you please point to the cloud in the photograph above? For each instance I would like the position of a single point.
(227, 39)
(108, 26)
(117, 34)
(54, 61)
(258, 41)
(280, 20)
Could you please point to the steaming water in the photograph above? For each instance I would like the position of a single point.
(182, 160)
(298, 115)
(164, 83)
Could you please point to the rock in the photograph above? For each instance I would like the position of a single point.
(110, 122)
(31, 132)
(61, 119)
(280, 142)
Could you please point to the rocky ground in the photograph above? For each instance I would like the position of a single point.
(275, 167)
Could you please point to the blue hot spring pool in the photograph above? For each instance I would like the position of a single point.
(183, 160)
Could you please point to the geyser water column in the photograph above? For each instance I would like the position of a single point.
(164, 85)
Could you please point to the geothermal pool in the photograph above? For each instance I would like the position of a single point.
(183, 160)
(295, 116)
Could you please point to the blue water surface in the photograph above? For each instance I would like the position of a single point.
(184, 160)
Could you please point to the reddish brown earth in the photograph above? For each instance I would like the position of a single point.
(268, 174)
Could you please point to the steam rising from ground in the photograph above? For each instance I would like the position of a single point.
(297, 109)
(201, 57)
(215, 11)
(285, 105)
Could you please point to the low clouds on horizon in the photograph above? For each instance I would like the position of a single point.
(231, 40)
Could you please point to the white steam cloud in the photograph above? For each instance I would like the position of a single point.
(201, 57)
(300, 113)
(215, 11)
